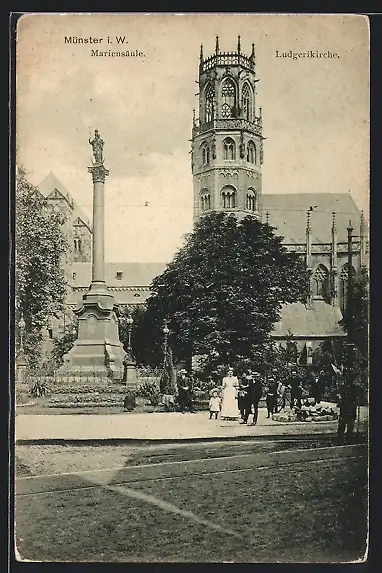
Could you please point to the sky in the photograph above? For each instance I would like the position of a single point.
(315, 112)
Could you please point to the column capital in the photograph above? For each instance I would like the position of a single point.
(99, 172)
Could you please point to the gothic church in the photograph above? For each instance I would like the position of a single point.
(227, 153)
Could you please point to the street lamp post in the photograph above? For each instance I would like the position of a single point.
(130, 370)
(21, 362)
(166, 332)
(21, 327)
(129, 322)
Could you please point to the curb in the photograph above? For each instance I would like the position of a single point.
(362, 438)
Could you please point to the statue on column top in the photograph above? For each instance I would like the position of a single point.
(97, 144)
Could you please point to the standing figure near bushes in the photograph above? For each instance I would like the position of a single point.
(242, 398)
(255, 392)
(271, 397)
(184, 384)
(348, 400)
(230, 385)
(214, 404)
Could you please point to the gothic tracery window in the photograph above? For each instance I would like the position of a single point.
(251, 152)
(344, 276)
(209, 103)
(205, 200)
(228, 197)
(251, 203)
(205, 154)
(77, 245)
(246, 102)
(229, 149)
(321, 283)
(228, 99)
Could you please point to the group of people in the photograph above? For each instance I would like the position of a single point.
(241, 398)
(238, 399)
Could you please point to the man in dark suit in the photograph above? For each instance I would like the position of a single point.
(255, 391)
(294, 382)
(184, 384)
(348, 401)
(243, 392)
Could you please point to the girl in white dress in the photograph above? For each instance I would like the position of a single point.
(229, 407)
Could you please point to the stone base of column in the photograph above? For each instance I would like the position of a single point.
(130, 376)
(97, 349)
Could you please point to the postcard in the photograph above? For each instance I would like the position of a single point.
(191, 288)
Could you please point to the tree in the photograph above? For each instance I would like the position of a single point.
(39, 275)
(357, 324)
(224, 289)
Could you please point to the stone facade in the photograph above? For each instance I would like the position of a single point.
(227, 141)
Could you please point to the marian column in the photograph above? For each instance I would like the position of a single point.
(99, 173)
(97, 349)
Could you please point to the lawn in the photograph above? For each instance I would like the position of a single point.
(305, 512)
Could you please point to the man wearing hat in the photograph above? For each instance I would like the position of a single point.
(184, 384)
(243, 392)
(255, 392)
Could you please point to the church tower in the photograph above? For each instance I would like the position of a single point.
(227, 141)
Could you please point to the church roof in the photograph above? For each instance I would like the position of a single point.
(50, 183)
(320, 321)
(133, 274)
(287, 212)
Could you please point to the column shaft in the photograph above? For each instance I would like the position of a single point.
(98, 261)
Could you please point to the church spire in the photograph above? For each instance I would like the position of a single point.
(309, 256)
(362, 240)
(333, 262)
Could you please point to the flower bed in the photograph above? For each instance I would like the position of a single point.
(89, 389)
(318, 413)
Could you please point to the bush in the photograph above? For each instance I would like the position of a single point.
(38, 389)
(150, 391)
(129, 402)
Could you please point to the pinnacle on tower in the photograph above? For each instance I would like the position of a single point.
(217, 45)
(201, 52)
(308, 227)
(238, 45)
(334, 223)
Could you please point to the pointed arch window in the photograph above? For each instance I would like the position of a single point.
(229, 149)
(228, 99)
(205, 200)
(246, 102)
(205, 154)
(209, 103)
(321, 283)
(228, 194)
(251, 152)
(344, 277)
(77, 245)
(251, 203)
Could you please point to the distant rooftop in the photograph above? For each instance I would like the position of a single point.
(118, 274)
(288, 213)
(50, 183)
(320, 321)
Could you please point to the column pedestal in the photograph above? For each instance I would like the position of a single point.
(97, 349)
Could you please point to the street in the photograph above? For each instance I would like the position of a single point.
(300, 500)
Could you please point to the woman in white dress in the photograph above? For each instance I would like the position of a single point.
(229, 406)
